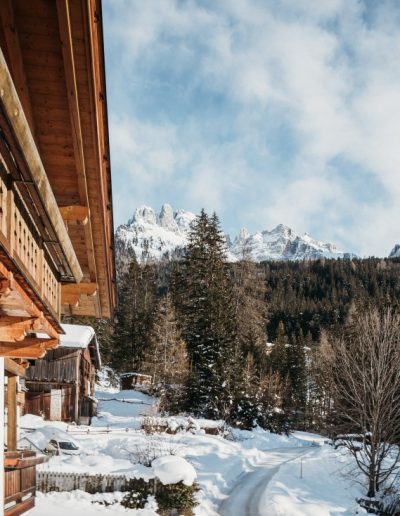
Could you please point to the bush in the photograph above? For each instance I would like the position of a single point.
(137, 494)
(152, 448)
(168, 497)
(177, 496)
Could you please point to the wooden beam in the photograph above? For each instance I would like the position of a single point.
(12, 367)
(64, 22)
(15, 329)
(71, 292)
(30, 347)
(12, 413)
(27, 324)
(12, 334)
(91, 10)
(75, 214)
(19, 316)
(15, 60)
(16, 117)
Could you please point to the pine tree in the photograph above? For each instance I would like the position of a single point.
(136, 307)
(278, 356)
(206, 303)
(251, 310)
(166, 358)
(297, 376)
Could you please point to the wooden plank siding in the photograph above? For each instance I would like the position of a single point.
(39, 403)
(71, 371)
(58, 365)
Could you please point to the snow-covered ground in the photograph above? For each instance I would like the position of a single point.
(249, 471)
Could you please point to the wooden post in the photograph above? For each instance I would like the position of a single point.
(12, 413)
(2, 434)
(77, 381)
(10, 221)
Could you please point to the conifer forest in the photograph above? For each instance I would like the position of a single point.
(250, 343)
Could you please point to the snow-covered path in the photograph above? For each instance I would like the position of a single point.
(246, 495)
(252, 473)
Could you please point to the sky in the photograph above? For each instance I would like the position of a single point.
(264, 111)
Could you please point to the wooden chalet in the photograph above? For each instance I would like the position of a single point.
(61, 385)
(56, 226)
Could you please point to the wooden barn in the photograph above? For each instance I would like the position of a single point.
(61, 385)
(56, 225)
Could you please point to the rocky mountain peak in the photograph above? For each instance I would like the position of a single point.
(165, 236)
(243, 235)
(144, 215)
(166, 218)
(395, 252)
(281, 230)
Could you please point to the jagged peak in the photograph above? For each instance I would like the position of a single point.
(243, 234)
(166, 217)
(283, 230)
(395, 252)
(144, 215)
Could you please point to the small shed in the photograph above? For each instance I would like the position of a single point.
(61, 385)
(130, 381)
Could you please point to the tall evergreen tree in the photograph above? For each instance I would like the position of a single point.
(135, 314)
(206, 303)
(166, 358)
(251, 310)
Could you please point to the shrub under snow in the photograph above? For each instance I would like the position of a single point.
(171, 470)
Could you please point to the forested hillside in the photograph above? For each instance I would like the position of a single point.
(247, 342)
(313, 295)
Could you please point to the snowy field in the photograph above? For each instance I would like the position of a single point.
(248, 473)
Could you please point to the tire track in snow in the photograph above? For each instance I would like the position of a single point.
(244, 498)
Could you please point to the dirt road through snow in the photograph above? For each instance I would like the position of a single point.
(244, 498)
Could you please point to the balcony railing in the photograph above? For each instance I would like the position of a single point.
(21, 240)
(20, 481)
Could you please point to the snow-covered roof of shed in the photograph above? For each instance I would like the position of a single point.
(76, 336)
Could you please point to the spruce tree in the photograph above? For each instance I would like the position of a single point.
(297, 376)
(166, 358)
(251, 311)
(205, 298)
(136, 308)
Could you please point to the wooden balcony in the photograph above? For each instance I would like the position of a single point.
(24, 246)
(20, 481)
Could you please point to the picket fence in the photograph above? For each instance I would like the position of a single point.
(47, 481)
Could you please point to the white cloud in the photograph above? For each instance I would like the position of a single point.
(330, 69)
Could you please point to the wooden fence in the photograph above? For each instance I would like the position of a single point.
(47, 481)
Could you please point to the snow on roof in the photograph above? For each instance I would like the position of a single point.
(76, 336)
(79, 337)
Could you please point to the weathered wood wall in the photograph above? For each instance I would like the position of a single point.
(58, 365)
(39, 403)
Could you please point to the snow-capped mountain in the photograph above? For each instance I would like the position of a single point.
(281, 243)
(154, 237)
(395, 252)
(166, 235)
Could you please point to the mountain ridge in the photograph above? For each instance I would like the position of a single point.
(155, 237)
